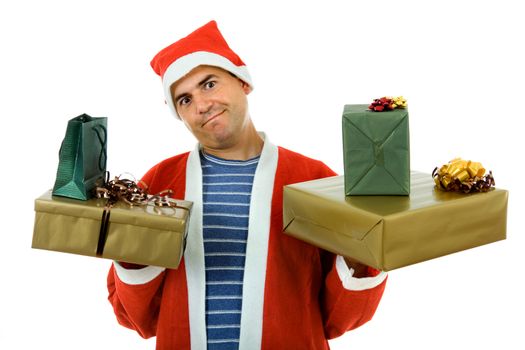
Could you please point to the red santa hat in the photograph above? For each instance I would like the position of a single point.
(205, 46)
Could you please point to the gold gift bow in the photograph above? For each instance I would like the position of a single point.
(399, 102)
(127, 191)
(463, 176)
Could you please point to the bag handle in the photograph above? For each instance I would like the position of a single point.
(83, 118)
(102, 158)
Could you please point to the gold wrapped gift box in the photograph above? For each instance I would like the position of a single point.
(146, 235)
(388, 232)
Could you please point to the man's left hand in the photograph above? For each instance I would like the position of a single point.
(360, 270)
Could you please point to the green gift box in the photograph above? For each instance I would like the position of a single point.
(388, 232)
(145, 234)
(376, 151)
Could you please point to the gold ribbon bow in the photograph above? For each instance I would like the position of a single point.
(399, 102)
(460, 175)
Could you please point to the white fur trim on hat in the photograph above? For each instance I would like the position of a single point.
(185, 64)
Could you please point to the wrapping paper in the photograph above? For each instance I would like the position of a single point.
(389, 232)
(376, 151)
(146, 235)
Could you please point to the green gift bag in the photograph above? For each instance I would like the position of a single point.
(82, 157)
(376, 151)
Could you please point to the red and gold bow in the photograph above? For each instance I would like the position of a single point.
(387, 103)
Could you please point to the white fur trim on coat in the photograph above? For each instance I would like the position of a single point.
(138, 276)
(352, 283)
(256, 250)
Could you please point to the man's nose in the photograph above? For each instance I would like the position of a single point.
(202, 104)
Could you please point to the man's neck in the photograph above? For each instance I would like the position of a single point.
(246, 148)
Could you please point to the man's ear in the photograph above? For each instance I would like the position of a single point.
(246, 87)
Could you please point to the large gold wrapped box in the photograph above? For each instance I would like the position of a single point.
(146, 235)
(389, 232)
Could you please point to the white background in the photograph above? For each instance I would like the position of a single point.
(459, 64)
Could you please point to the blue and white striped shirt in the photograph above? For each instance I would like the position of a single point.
(227, 187)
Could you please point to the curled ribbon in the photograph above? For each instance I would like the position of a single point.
(387, 103)
(127, 191)
(463, 176)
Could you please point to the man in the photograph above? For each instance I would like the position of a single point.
(242, 283)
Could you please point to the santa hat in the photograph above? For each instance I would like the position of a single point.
(205, 46)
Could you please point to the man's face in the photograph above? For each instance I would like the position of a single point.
(213, 105)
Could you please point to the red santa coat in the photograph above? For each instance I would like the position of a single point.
(293, 296)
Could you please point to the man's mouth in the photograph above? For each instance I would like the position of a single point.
(212, 117)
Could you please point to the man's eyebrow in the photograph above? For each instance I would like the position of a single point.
(202, 82)
(206, 78)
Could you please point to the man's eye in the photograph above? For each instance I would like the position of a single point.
(184, 101)
(209, 84)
